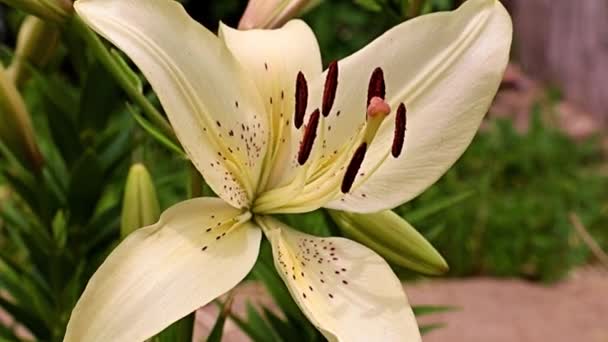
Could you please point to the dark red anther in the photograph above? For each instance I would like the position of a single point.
(353, 168)
(400, 122)
(376, 85)
(331, 85)
(301, 100)
(310, 134)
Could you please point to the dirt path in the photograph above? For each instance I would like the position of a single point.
(492, 310)
(514, 310)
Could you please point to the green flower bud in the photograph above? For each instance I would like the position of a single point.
(36, 43)
(16, 130)
(393, 238)
(53, 10)
(140, 206)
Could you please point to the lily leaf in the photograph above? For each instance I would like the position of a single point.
(156, 133)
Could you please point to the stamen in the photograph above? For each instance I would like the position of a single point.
(400, 123)
(310, 133)
(353, 168)
(331, 85)
(376, 87)
(301, 100)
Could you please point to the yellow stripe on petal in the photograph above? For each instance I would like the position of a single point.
(345, 289)
(199, 249)
(210, 100)
(274, 58)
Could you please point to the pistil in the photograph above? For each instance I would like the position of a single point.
(377, 111)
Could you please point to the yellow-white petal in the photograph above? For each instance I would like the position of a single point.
(345, 289)
(165, 271)
(273, 58)
(446, 68)
(212, 104)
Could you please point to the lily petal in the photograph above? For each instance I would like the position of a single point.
(211, 102)
(165, 271)
(446, 68)
(345, 289)
(274, 58)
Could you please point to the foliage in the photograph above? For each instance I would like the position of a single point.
(59, 223)
(516, 222)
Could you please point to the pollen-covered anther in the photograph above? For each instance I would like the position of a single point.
(301, 100)
(377, 87)
(331, 86)
(353, 168)
(400, 127)
(310, 134)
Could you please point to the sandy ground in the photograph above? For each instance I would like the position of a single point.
(497, 310)
(489, 309)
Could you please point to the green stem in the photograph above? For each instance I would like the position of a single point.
(107, 60)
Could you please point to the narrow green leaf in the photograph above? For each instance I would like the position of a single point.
(157, 134)
(100, 97)
(425, 329)
(180, 331)
(421, 310)
(86, 185)
(370, 5)
(255, 326)
(429, 210)
(218, 328)
(127, 71)
(287, 331)
(27, 318)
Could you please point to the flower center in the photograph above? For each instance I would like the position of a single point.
(323, 177)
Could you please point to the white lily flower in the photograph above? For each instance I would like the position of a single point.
(271, 133)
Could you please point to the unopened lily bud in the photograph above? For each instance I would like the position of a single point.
(393, 238)
(140, 206)
(36, 43)
(16, 130)
(53, 10)
(268, 14)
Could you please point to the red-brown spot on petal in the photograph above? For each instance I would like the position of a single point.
(353, 168)
(310, 134)
(301, 100)
(400, 127)
(331, 85)
(376, 87)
